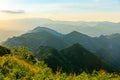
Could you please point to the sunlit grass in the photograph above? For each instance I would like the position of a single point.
(13, 67)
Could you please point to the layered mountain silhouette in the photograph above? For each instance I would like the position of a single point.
(39, 36)
(89, 28)
(74, 58)
(53, 58)
(100, 46)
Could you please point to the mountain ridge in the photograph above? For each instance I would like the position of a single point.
(91, 28)
(36, 39)
(74, 58)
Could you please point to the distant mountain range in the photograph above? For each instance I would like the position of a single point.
(64, 27)
(104, 47)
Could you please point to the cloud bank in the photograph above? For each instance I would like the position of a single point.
(13, 11)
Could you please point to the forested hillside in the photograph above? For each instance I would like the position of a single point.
(21, 64)
(104, 47)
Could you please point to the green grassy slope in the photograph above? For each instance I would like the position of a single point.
(19, 65)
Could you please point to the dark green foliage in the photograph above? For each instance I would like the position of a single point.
(24, 53)
(4, 50)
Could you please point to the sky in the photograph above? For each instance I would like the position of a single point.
(71, 10)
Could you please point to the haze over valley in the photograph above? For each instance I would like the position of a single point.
(93, 29)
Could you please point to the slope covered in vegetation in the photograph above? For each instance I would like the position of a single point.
(21, 64)
(74, 58)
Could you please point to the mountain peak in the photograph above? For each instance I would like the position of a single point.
(39, 28)
(76, 45)
(45, 29)
(84, 59)
(77, 48)
(75, 32)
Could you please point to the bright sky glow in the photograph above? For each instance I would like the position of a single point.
(85, 10)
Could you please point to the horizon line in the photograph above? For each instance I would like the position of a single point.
(77, 20)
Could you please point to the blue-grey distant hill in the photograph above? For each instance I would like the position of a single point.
(89, 28)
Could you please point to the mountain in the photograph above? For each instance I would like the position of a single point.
(107, 46)
(39, 36)
(64, 27)
(40, 29)
(108, 57)
(83, 59)
(74, 58)
(49, 45)
(53, 58)
(19, 65)
(76, 37)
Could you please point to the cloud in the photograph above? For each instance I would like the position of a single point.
(13, 11)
